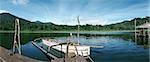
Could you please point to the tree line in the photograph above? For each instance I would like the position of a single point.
(7, 23)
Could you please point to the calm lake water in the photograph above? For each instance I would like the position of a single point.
(118, 47)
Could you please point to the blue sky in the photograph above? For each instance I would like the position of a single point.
(65, 11)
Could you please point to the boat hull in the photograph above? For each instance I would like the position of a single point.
(77, 50)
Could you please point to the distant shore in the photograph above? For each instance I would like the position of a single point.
(67, 31)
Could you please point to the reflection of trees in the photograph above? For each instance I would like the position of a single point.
(122, 36)
(142, 40)
(6, 39)
(128, 37)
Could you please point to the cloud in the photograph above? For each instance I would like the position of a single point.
(83, 21)
(4, 11)
(130, 12)
(20, 2)
(65, 11)
(99, 21)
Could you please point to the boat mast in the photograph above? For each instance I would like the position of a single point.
(135, 30)
(16, 43)
(78, 29)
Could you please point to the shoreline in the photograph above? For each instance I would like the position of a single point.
(67, 31)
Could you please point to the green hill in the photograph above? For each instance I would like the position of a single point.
(7, 23)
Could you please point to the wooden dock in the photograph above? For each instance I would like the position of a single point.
(6, 56)
(75, 59)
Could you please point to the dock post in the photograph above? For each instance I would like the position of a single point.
(135, 36)
(48, 49)
(148, 36)
(16, 43)
(78, 29)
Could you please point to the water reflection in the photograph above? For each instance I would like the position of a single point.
(117, 47)
(144, 41)
(6, 39)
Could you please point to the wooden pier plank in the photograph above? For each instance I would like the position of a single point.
(6, 57)
(75, 59)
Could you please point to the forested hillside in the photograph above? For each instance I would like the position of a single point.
(7, 23)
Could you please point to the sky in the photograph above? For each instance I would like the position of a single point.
(95, 12)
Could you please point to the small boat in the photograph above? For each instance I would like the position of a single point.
(73, 48)
(72, 51)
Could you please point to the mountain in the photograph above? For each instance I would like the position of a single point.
(7, 23)
(128, 25)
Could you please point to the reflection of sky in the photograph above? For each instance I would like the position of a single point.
(65, 11)
(116, 48)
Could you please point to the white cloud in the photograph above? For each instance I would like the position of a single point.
(3, 11)
(20, 2)
(99, 21)
(83, 21)
(137, 10)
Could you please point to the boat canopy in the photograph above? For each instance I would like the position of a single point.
(146, 25)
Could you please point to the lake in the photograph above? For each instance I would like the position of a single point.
(118, 46)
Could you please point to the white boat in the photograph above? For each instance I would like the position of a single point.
(77, 50)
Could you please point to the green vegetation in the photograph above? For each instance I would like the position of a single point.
(7, 24)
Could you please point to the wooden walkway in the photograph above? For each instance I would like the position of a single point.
(75, 59)
(6, 57)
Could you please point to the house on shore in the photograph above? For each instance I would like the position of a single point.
(142, 34)
(143, 30)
